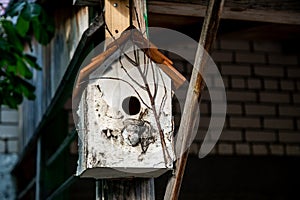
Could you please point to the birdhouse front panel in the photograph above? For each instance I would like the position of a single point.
(126, 126)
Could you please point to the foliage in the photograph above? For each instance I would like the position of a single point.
(22, 20)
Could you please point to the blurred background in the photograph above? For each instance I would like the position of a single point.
(257, 155)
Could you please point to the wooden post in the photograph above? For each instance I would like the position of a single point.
(141, 189)
(117, 17)
(208, 34)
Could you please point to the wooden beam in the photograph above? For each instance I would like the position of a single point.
(65, 185)
(283, 12)
(63, 146)
(133, 189)
(229, 12)
(86, 2)
(116, 16)
(196, 86)
(27, 188)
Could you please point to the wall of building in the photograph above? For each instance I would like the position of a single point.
(263, 99)
(263, 108)
(9, 135)
(54, 59)
(257, 155)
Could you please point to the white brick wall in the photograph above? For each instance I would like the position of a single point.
(293, 150)
(258, 110)
(2, 146)
(234, 44)
(225, 149)
(263, 94)
(250, 57)
(231, 135)
(9, 116)
(242, 149)
(266, 46)
(277, 149)
(8, 149)
(263, 99)
(9, 131)
(282, 59)
(260, 136)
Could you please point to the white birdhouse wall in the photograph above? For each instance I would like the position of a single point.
(120, 130)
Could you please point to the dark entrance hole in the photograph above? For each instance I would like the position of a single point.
(131, 105)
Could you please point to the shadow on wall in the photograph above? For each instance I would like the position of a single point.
(241, 178)
(237, 178)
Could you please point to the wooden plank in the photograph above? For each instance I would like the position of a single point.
(86, 2)
(140, 16)
(207, 37)
(128, 189)
(65, 185)
(27, 188)
(266, 32)
(63, 92)
(116, 16)
(64, 145)
(236, 13)
(283, 12)
(288, 5)
(49, 177)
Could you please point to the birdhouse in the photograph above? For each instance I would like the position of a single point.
(124, 110)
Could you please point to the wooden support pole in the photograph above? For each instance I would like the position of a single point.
(259, 11)
(139, 189)
(117, 17)
(208, 34)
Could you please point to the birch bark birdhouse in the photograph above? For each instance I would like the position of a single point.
(124, 109)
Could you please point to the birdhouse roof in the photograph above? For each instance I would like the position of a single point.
(136, 37)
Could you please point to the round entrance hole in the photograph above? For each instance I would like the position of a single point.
(131, 105)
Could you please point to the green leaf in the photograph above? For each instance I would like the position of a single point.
(28, 92)
(16, 66)
(4, 45)
(22, 26)
(23, 70)
(31, 60)
(25, 88)
(16, 8)
(12, 35)
(19, 69)
(7, 58)
(31, 11)
(13, 99)
(43, 28)
(9, 94)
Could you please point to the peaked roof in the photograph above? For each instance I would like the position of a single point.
(145, 45)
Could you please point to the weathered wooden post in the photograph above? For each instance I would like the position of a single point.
(196, 86)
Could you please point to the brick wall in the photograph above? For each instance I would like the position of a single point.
(263, 98)
(8, 130)
(8, 150)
